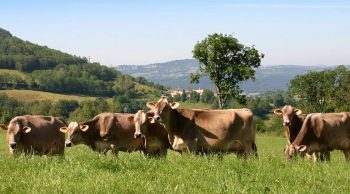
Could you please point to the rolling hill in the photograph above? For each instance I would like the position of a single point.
(28, 66)
(176, 74)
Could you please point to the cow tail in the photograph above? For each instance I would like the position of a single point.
(254, 147)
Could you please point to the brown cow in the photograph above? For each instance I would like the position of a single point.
(34, 134)
(323, 132)
(214, 131)
(293, 120)
(154, 133)
(106, 131)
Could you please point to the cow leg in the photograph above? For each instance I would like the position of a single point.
(325, 156)
(347, 155)
(115, 151)
(147, 154)
(308, 156)
(163, 152)
(104, 152)
(151, 154)
(57, 151)
(191, 146)
(220, 156)
(155, 154)
(242, 154)
(246, 150)
(255, 150)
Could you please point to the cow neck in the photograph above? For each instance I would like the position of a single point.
(174, 121)
(304, 132)
(295, 127)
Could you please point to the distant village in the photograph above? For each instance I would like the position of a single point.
(179, 91)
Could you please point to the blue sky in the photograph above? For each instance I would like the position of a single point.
(144, 32)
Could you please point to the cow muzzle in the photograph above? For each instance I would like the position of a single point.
(68, 144)
(13, 145)
(157, 118)
(137, 135)
(286, 123)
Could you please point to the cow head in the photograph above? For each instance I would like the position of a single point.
(140, 120)
(162, 108)
(292, 150)
(14, 133)
(287, 112)
(74, 133)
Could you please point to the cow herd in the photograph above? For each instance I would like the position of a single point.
(166, 127)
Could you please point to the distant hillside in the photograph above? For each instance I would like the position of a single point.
(26, 56)
(175, 74)
(24, 65)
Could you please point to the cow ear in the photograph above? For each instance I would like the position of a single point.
(3, 127)
(131, 118)
(301, 148)
(174, 105)
(84, 127)
(63, 129)
(26, 129)
(278, 112)
(298, 111)
(150, 105)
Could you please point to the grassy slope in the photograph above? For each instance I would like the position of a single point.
(31, 95)
(13, 72)
(83, 171)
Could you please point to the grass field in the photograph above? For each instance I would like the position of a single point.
(83, 171)
(31, 95)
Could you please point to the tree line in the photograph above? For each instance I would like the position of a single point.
(88, 79)
(322, 91)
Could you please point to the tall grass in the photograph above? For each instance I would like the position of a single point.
(83, 171)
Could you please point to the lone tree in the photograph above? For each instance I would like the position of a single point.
(226, 62)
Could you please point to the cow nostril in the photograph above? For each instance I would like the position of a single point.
(13, 145)
(137, 135)
(68, 144)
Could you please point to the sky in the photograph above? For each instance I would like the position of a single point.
(150, 31)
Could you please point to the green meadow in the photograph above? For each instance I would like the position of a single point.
(83, 171)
